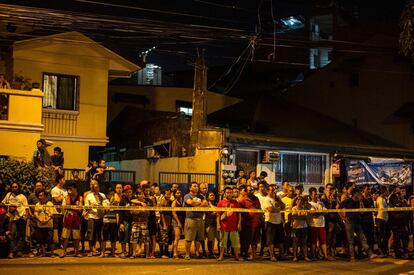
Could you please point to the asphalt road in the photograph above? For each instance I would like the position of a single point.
(113, 266)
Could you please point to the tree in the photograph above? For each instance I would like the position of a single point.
(24, 173)
(406, 40)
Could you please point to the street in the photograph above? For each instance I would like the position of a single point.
(113, 266)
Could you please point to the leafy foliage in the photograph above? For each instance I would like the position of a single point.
(406, 40)
(25, 173)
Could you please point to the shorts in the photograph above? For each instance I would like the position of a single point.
(44, 235)
(57, 227)
(300, 235)
(212, 233)
(124, 236)
(95, 230)
(72, 221)
(194, 230)
(76, 235)
(163, 235)
(140, 233)
(318, 233)
(58, 222)
(233, 236)
(275, 233)
(110, 232)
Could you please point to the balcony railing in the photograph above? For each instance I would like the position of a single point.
(59, 122)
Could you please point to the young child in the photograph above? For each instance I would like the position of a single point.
(44, 223)
(300, 228)
(72, 220)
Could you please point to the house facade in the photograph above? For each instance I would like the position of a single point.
(70, 108)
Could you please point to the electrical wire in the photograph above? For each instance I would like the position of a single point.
(274, 30)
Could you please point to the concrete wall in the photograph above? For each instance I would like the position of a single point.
(203, 162)
(164, 98)
(20, 132)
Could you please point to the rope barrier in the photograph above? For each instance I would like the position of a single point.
(214, 209)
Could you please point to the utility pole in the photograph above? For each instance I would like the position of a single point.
(199, 116)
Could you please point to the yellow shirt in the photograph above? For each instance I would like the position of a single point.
(44, 212)
(288, 206)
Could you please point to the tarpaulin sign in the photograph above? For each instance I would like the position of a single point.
(379, 171)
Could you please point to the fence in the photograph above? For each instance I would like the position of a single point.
(165, 179)
(64, 123)
(108, 179)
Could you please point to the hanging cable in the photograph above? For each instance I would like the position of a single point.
(274, 31)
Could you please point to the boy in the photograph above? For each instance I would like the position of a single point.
(72, 221)
(44, 223)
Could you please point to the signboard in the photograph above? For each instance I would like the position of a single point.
(379, 171)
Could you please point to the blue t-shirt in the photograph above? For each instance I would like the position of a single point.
(190, 214)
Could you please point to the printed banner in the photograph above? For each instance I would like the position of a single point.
(379, 171)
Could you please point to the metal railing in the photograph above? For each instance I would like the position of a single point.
(107, 180)
(56, 123)
(165, 179)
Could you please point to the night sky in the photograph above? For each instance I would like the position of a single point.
(177, 28)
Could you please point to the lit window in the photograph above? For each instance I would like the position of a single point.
(186, 111)
(185, 107)
(60, 91)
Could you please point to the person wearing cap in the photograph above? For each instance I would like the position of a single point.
(18, 214)
(125, 220)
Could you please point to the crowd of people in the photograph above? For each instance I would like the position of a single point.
(35, 224)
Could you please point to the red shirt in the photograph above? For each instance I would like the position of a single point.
(251, 220)
(230, 222)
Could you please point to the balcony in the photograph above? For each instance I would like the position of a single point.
(60, 122)
(20, 122)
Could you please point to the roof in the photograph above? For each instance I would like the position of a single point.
(117, 63)
(270, 120)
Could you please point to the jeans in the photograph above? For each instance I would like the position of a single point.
(356, 228)
(383, 235)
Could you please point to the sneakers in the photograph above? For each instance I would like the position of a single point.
(187, 257)
(273, 259)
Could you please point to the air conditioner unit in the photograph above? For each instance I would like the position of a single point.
(270, 156)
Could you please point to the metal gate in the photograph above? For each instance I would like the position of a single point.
(165, 180)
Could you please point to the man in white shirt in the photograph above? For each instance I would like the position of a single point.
(273, 218)
(18, 214)
(317, 224)
(261, 195)
(58, 196)
(95, 217)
